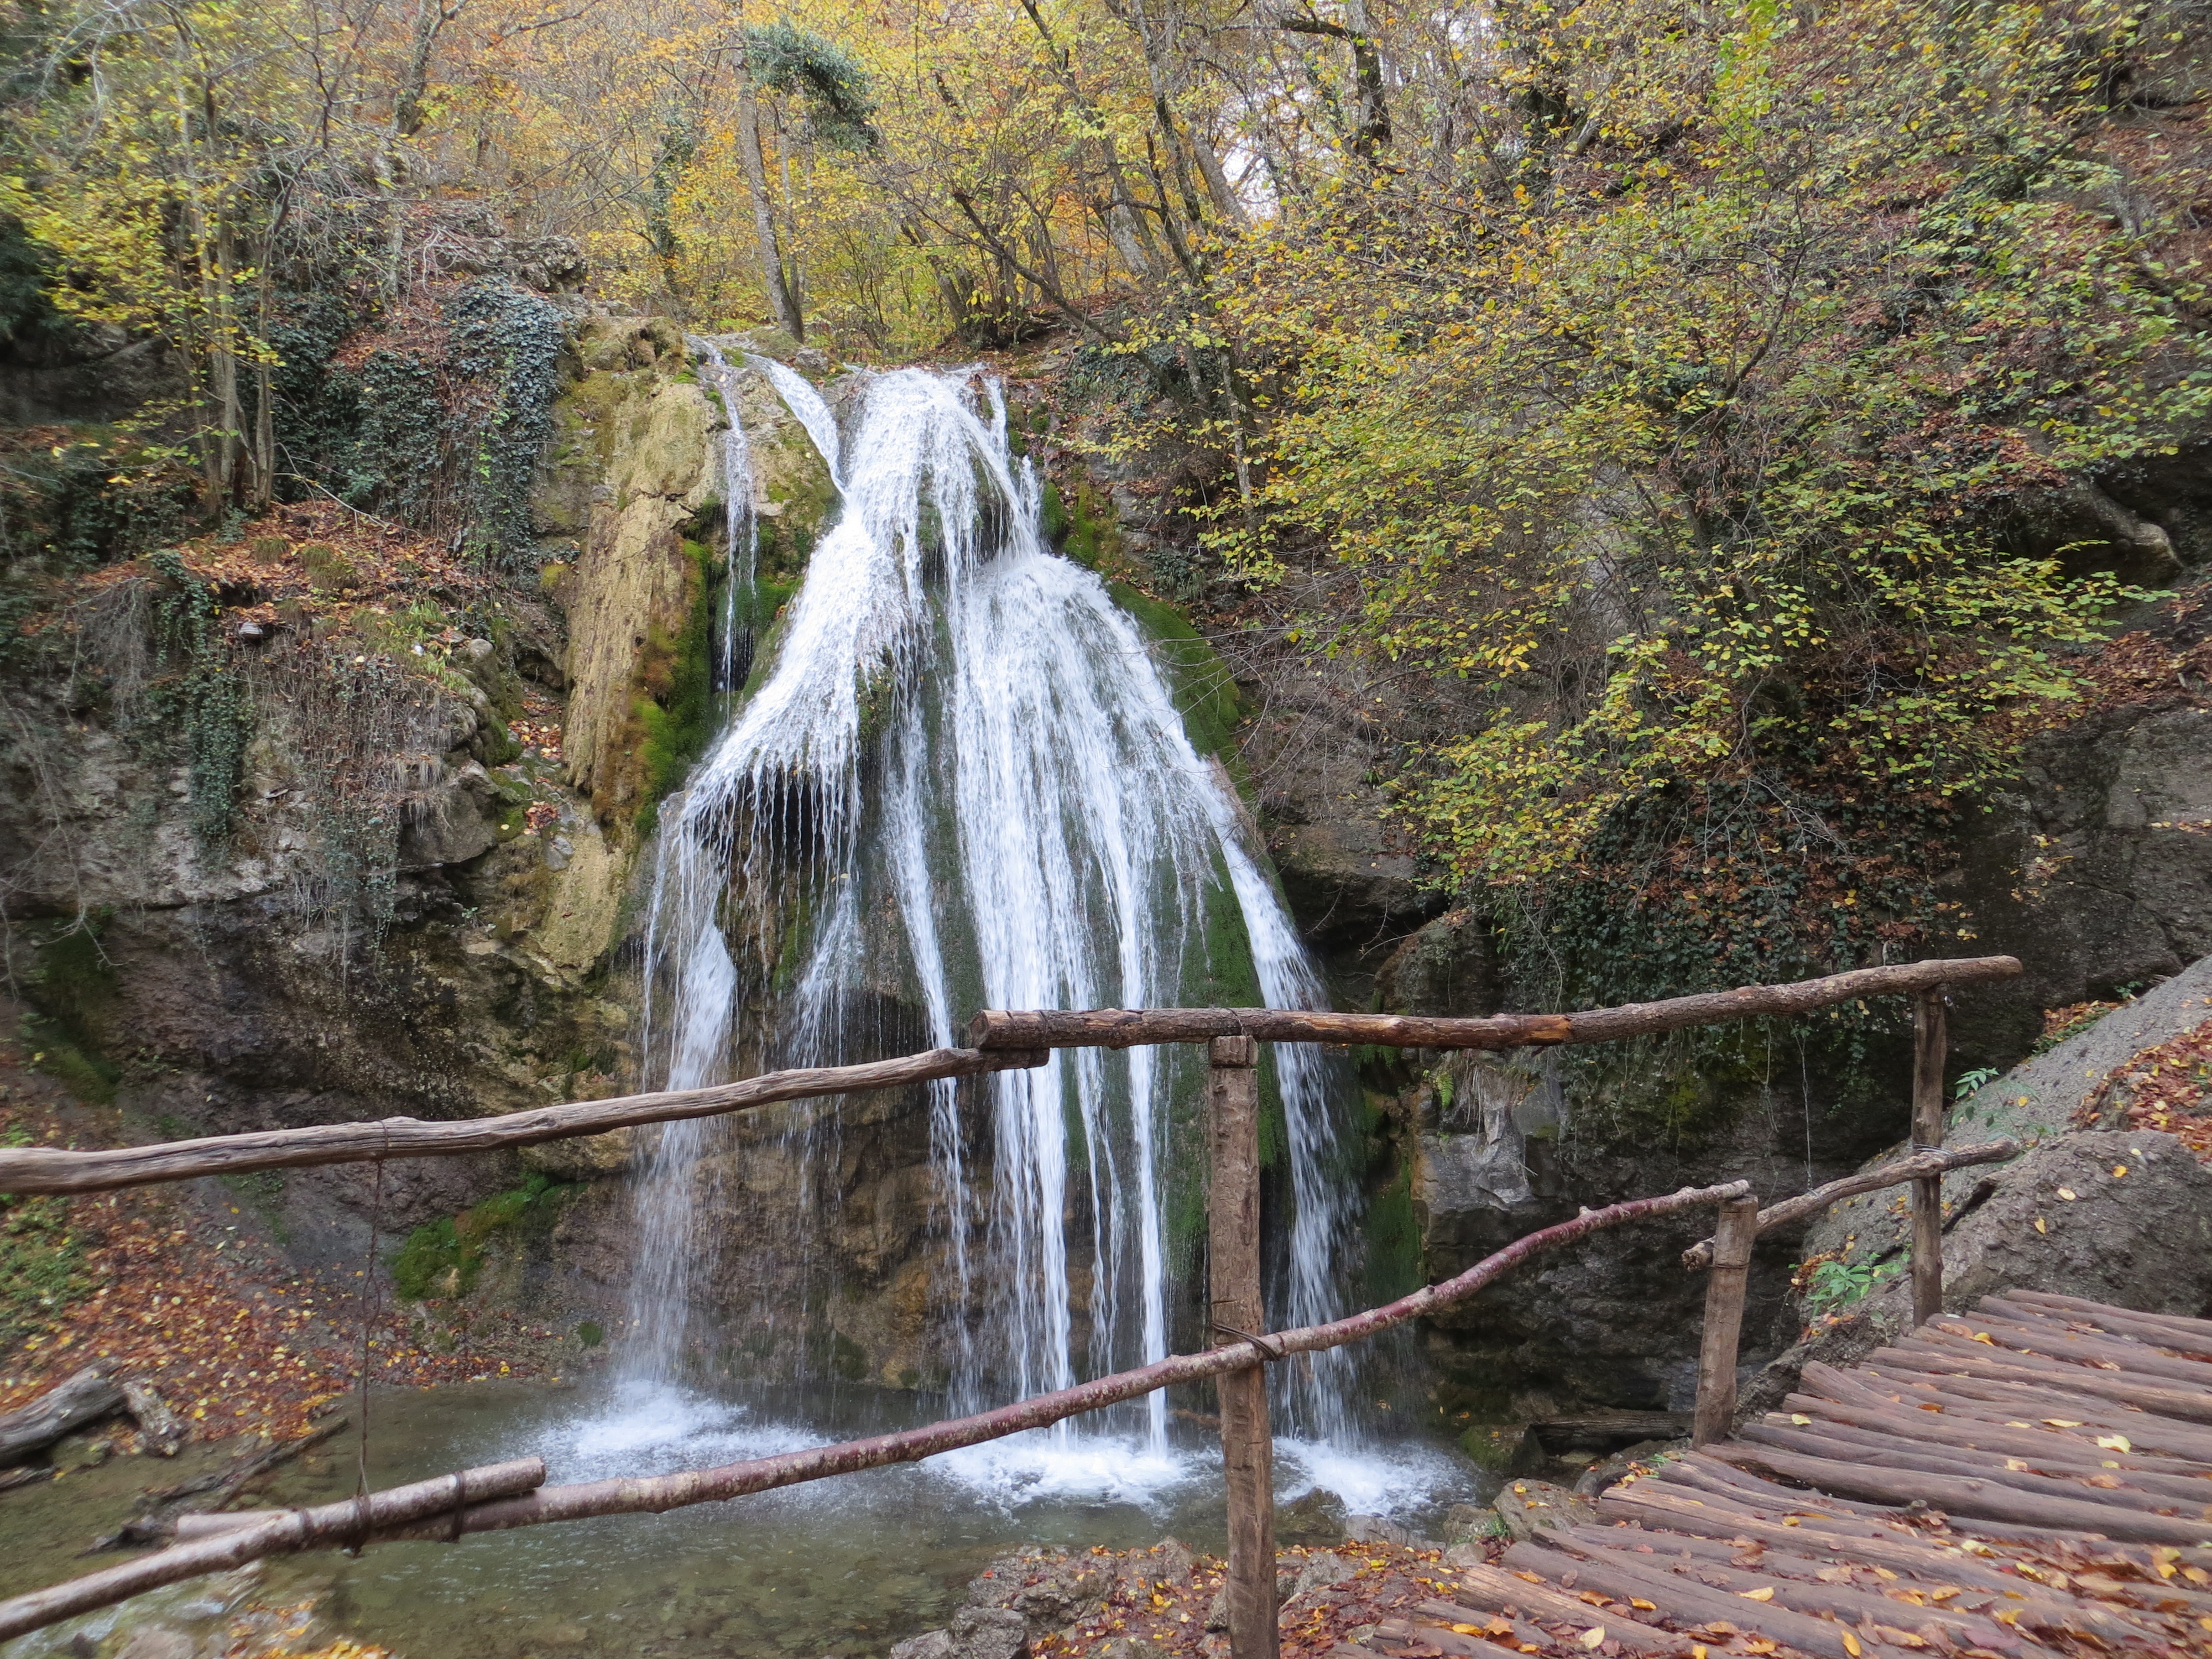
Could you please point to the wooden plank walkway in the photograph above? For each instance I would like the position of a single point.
(2035, 1477)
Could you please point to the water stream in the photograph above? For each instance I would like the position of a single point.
(963, 783)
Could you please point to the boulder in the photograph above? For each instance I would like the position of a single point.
(1376, 1529)
(1318, 1517)
(1446, 968)
(2123, 1217)
(1528, 1507)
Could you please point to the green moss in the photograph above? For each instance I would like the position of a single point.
(443, 1260)
(1393, 1241)
(72, 985)
(1492, 1447)
(847, 1357)
(590, 1333)
(677, 713)
(1203, 690)
(41, 1261)
(1085, 531)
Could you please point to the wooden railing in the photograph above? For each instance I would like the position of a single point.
(514, 1495)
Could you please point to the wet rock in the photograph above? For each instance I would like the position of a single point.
(929, 1645)
(82, 1451)
(1048, 1591)
(974, 1633)
(1643, 1455)
(1375, 1529)
(1316, 1518)
(1298, 1584)
(1465, 1523)
(1446, 968)
(1528, 1507)
(453, 818)
(988, 1633)
(158, 1641)
(1323, 1571)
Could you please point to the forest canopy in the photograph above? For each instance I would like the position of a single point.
(1711, 396)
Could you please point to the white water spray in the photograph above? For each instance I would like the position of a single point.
(964, 778)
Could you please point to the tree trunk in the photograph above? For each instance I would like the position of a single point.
(783, 304)
(85, 1398)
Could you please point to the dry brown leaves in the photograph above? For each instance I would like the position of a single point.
(2164, 1089)
(231, 1335)
(1167, 1614)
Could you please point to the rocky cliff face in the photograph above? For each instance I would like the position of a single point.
(452, 947)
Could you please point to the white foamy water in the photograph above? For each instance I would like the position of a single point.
(965, 772)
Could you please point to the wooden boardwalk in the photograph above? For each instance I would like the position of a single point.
(2035, 1477)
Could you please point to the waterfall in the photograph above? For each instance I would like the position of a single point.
(962, 783)
(740, 528)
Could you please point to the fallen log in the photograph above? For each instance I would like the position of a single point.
(2055, 1448)
(2053, 1341)
(87, 1397)
(1687, 1601)
(1507, 1593)
(1958, 1336)
(1126, 1027)
(1450, 1613)
(2172, 1496)
(1972, 1498)
(50, 1170)
(2181, 1324)
(1846, 1604)
(2113, 1324)
(657, 1494)
(1929, 1561)
(1920, 1165)
(1987, 1398)
(1947, 1359)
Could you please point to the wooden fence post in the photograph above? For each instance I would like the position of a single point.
(1737, 1232)
(1248, 1451)
(1929, 1049)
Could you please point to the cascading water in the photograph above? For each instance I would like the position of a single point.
(964, 783)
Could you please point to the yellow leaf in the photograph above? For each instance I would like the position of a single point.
(2039, 1227)
(1594, 1637)
(2118, 1170)
(2067, 1192)
(1643, 1606)
(2117, 1442)
(1800, 1419)
(1851, 1644)
(1467, 1630)
(2062, 1422)
(1764, 1593)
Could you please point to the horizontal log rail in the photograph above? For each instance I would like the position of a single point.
(1128, 1028)
(1937, 1161)
(1000, 1042)
(343, 1525)
(428, 1509)
(51, 1169)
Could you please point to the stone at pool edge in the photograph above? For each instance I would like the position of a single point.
(1528, 1507)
